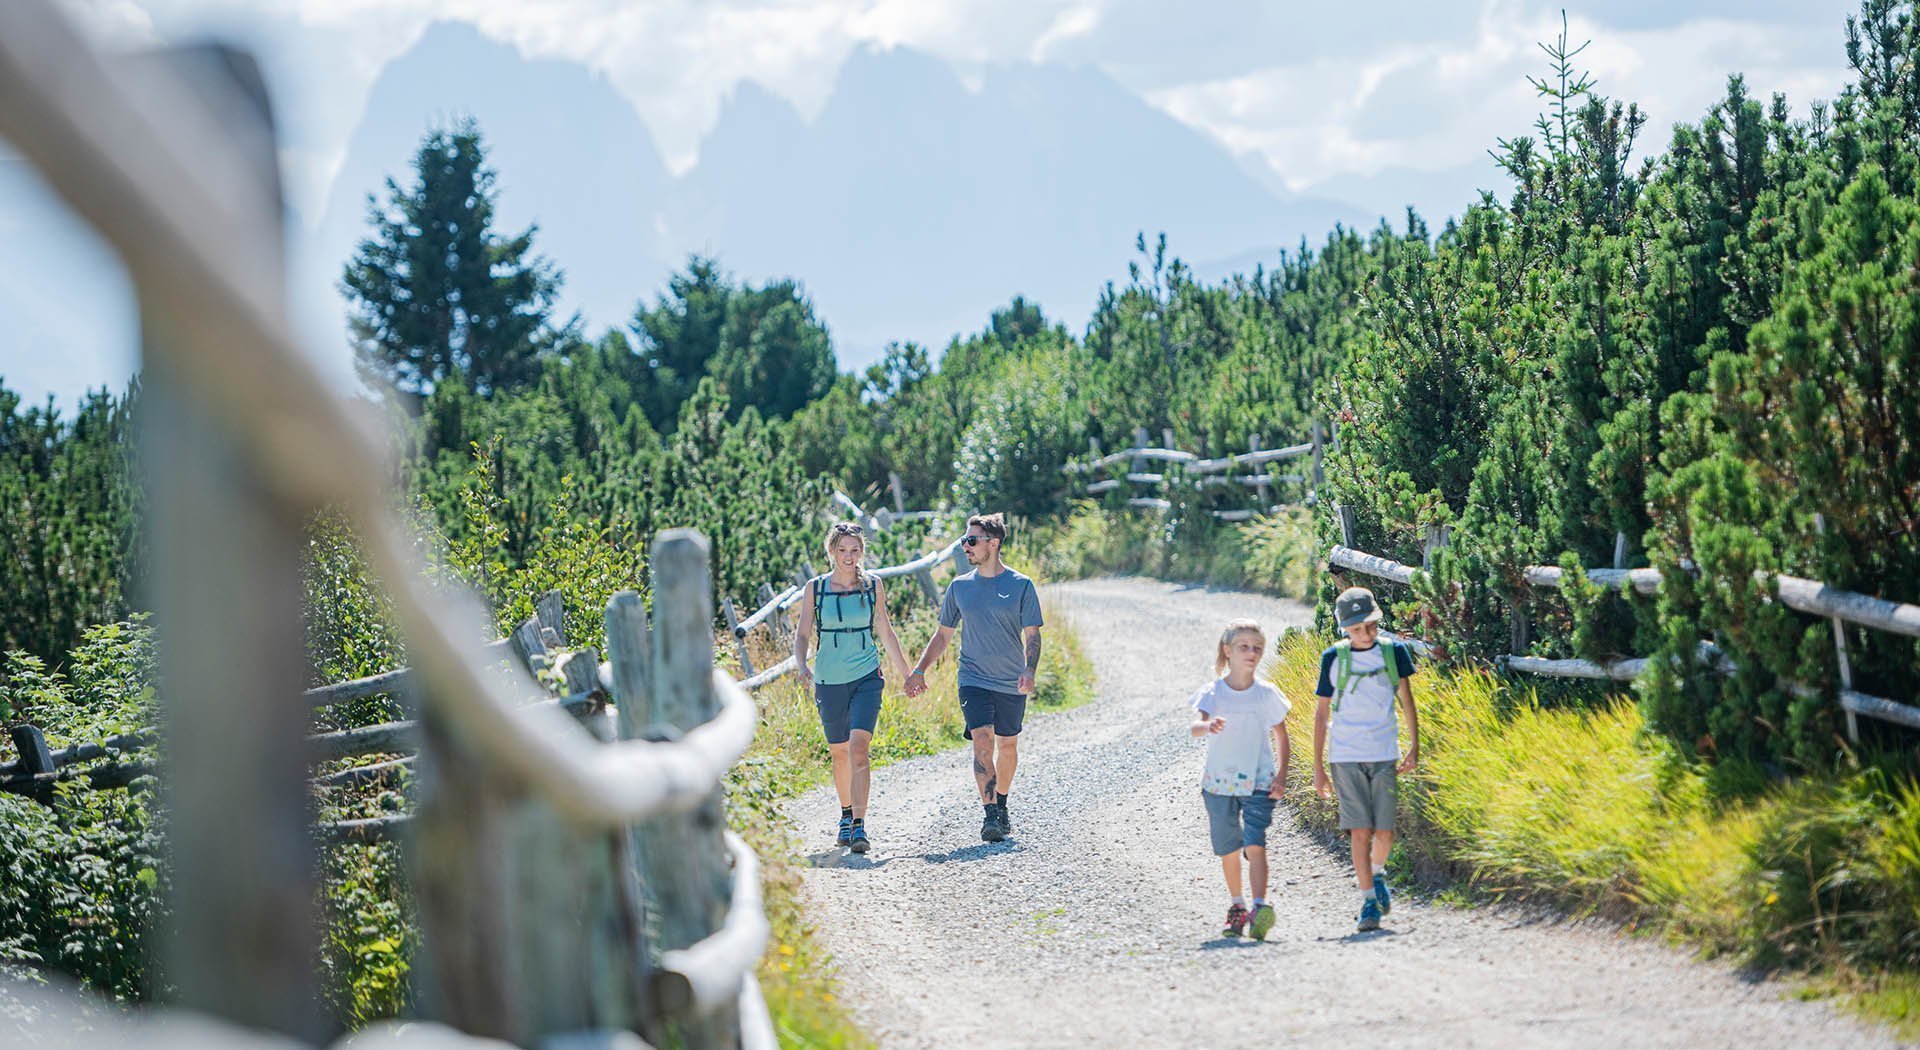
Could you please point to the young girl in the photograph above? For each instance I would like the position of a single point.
(1237, 713)
(849, 607)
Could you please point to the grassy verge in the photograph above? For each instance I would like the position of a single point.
(1589, 809)
(789, 756)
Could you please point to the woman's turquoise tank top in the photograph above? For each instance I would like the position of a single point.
(847, 651)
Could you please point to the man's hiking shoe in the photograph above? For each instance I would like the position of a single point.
(1006, 822)
(1261, 922)
(845, 837)
(990, 826)
(1236, 920)
(1369, 917)
(859, 840)
(1381, 897)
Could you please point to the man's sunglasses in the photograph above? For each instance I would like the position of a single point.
(972, 540)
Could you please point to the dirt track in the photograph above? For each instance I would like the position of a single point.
(1097, 923)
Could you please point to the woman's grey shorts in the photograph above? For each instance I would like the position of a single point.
(1365, 790)
(847, 706)
(1238, 821)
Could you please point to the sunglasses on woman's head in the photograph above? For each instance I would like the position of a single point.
(845, 529)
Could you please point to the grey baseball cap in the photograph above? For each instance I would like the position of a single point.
(1355, 606)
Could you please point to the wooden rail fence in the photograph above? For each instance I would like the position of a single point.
(1813, 597)
(574, 882)
(1201, 473)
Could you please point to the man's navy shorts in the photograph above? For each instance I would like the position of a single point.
(848, 706)
(987, 707)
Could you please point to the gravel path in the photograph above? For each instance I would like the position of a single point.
(1097, 923)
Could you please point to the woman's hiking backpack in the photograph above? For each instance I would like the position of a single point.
(867, 588)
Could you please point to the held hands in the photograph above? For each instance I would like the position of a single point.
(1322, 784)
(916, 683)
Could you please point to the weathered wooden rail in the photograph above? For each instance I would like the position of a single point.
(1200, 473)
(1808, 596)
(574, 882)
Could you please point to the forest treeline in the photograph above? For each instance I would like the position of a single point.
(1710, 346)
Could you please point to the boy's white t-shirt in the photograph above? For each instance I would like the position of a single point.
(1239, 758)
(1363, 727)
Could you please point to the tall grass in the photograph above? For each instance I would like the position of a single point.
(1586, 807)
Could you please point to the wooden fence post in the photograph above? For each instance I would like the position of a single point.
(1139, 441)
(1343, 515)
(899, 492)
(782, 630)
(1260, 490)
(1436, 537)
(227, 553)
(739, 643)
(1166, 437)
(687, 861)
(550, 610)
(1844, 665)
(1319, 475)
(927, 588)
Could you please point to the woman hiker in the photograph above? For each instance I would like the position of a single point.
(848, 606)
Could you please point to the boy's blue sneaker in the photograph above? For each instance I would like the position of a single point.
(846, 832)
(1381, 896)
(859, 842)
(1369, 917)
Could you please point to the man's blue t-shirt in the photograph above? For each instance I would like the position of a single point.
(995, 609)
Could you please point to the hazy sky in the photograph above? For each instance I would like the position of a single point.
(1368, 102)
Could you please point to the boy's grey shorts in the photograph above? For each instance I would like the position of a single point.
(1365, 791)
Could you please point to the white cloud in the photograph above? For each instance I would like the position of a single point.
(1072, 24)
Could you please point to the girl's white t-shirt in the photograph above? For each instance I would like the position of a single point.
(1239, 757)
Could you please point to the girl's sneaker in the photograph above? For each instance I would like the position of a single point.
(845, 837)
(859, 842)
(1381, 897)
(1236, 920)
(1261, 922)
(1369, 917)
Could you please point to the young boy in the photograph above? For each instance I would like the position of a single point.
(1240, 782)
(1354, 728)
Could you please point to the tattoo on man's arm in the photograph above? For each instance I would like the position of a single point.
(1033, 652)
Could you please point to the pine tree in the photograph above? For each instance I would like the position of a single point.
(436, 292)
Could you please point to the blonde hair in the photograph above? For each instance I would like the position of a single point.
(1234, 630)
(839, 530)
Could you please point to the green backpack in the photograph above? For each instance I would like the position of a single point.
(1344, 673)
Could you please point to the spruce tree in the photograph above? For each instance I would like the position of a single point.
(435, 291)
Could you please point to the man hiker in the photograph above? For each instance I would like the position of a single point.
(999, 655)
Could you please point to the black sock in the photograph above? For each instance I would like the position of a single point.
(1001, 797)
(846, 812)
(859, 822)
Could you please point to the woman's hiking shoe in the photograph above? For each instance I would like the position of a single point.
(859, 840)
(1369, 917)
(990, 826)
(845, 837)
(1261, 922)
(1381, 897)
(1236, 920)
